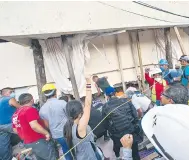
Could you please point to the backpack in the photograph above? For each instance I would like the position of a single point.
(122, 120)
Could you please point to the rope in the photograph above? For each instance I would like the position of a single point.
(102, 121)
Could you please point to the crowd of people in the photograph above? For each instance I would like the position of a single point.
(77, 124)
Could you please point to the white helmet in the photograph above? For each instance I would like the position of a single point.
(154, 71)
(167, 127)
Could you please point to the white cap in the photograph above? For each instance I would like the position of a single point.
(167, 127)
(130, 91)
(154, 71)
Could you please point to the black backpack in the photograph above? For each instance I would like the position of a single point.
(123, 120)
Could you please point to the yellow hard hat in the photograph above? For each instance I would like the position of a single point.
(48, 86)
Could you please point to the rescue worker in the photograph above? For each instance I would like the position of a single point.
(162, 125)
(28, 125)
(121, 121)
(8, 106)
(139, 101)
(175, 94)
(101, 84)
(170, 75)
(157, 84)
(184, 60)
(53, 113)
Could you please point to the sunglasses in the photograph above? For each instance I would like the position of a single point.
(168, 97)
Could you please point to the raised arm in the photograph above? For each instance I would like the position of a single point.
(83, 122)
(14, 103)
(149, 79)
(98, 89)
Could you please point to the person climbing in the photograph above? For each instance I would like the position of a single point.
(121, 121)
(76, 128)
(139, 101)
(101, 84)
(53, 113)
(30, 128)
(156, 82)
(8, 106)
(170, 75)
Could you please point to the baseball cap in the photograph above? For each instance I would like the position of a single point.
(184, 58)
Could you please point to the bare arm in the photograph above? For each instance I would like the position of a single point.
(98, 89)
(83, 122)
(39, 129)
(14, 103)
(140, 113)
(15, 130)
(46, 123)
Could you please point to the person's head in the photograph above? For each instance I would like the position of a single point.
(110, 92)
(65, 98)
(163, 64)
(8, 92)
(130, 92)
(156, 73)
(74, 110)
(26, 99)
(49, 90)
(95, 78)
(175, 94)
(184, 60)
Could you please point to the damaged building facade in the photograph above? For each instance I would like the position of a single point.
(120, 41)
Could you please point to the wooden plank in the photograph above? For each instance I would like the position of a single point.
(120, 63)
(140, 60)
(71, 71)
(134, 59)
(180, 41)
(39, 69)
(168, 49)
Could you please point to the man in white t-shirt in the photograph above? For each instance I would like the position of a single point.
(139, 100)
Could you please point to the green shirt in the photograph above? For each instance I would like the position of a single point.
(102, 83)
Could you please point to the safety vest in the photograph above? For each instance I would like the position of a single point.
(154, 90)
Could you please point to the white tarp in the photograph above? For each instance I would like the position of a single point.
(55, 61)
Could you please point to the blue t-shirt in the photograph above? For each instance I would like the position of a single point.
(6, 111)
(184, 79)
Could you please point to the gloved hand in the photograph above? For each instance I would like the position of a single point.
(147, 70)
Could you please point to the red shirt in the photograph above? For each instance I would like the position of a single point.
(159, 88)
(21, 119)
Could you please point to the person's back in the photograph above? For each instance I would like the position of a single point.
(21, 123)
(54, 111)
(6, 110)
(83, 150)
(30, 128)
(172, 75)
(141, 101)
(95, 118)
(121, 120)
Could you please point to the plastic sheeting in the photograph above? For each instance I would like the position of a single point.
(55, 61)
